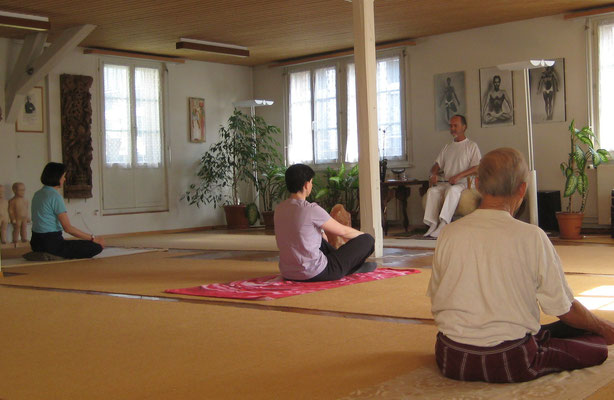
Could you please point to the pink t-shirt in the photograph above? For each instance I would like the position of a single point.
(298, 226)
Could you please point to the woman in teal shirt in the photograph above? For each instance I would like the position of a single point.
(49, 219)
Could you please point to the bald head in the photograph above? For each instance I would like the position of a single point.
(501, 172)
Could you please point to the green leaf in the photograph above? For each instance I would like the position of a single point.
(580, 157)
(587, 131)
(563, 167)
(568, 172)
(322, 193)
(605, 155)
(596, 157)
(570, 185)
(584, 139)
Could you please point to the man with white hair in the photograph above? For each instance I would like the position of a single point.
(491, 275)
(458, 160)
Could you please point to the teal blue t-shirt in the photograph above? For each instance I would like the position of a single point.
(47, 204)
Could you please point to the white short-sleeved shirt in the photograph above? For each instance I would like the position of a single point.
(298, 225)
(456, 157)
(491, 274)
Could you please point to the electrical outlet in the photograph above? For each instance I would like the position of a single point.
(77, 212)
(96, 212)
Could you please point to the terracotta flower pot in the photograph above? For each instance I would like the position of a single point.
(235, 217)
(570, 225)
(269, 222)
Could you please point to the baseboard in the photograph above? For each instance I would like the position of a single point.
(182, 230)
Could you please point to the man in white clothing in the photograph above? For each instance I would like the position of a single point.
(458, 160)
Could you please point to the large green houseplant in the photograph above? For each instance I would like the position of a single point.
(272, 188)
(582, 152)
(246, 145)
(339, 186)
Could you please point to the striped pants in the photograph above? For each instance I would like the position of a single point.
(556, 347)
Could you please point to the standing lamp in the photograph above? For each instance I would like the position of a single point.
(525, 66)
(252, 104)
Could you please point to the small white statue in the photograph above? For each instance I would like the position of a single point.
(19, 212)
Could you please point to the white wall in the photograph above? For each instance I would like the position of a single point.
(220, 85)
(470, 50)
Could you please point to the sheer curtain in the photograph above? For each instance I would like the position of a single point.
(147, 102)
(388, 83)
(300, 146)
(118, 141)
(606, 86)
(325, 115)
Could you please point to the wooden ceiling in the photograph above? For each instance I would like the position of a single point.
(273, 30)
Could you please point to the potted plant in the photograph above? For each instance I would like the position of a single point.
(245, 145)
(340, 187)
(272, 187)
(582, 150)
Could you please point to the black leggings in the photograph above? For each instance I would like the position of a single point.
(346, 259)
(54, 243)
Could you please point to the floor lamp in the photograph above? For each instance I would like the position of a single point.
(252, 104)
(525, 66)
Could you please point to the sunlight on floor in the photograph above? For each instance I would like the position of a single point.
(598, 298)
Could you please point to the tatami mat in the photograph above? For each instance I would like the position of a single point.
(74, 346)
(151, 273)
(588, 259)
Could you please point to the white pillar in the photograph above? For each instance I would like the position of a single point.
(366, 103)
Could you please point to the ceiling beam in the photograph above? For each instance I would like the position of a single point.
(132, 54)
(212, 49)
(589, 12)
(339, 53)
(23, 79)
(24, 21)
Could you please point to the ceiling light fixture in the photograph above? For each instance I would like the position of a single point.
(24, 21)
(212, 47)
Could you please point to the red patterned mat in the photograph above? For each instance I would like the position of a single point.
(275, 287)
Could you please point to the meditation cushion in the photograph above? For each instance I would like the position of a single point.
(469, 201)
(340, 214)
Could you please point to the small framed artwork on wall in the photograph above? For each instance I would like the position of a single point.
(497, 96)
(548, 92)
(449, 98)
(196, 107)
(31, 117)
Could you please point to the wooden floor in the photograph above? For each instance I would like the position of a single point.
(104, 329)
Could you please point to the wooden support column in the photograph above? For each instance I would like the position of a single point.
(32, 66)
(366, 103)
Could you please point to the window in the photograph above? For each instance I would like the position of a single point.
(134, 178)
(604, 30)
(322, 111)
(133, 134)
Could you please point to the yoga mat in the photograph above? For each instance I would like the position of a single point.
(275, 287)
(18, 260)
(76, 346)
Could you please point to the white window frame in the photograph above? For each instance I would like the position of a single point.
(594, 73)
(342, 65)
(163, 110)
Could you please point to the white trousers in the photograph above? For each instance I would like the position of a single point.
(441, 202)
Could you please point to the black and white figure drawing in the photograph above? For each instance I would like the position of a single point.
(547, 86)
(449, 98)
(496, 90)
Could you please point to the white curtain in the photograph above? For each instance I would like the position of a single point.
(118, 142)
(325, 115)
(300, 146)
(388, 83)
(606, 86)
(147, 102)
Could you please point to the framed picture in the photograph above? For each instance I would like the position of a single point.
(449, 98)
(547, 86)
(196, 107)
(31, 117)
(497, 97)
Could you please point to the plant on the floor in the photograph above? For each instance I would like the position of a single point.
(339, 186)
(581, 152)
(272, 185)
(245, 147)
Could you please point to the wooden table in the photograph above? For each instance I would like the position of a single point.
(399, 189)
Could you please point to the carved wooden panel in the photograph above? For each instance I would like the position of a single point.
(77, 149)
